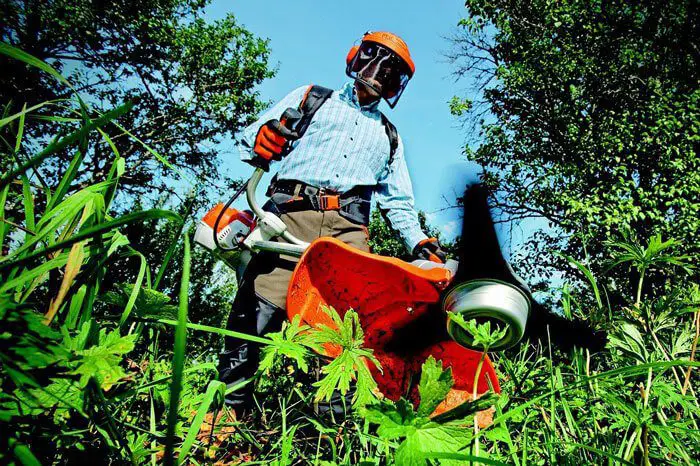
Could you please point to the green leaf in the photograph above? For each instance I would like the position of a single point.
(28, 200)
(586, 271)
(482, 334)
(178, 356)
(21, 55)
(67, 179)
(432, 438)
(65, 142)
(434, 385)
(102, 361)
(396, 420)
(468, 408)
(59, 397)
(215, 394)
(23, 454)
(145, 302)
(293, 342)
(352, 361)
(25, 111)
(628, 340)
(4, 227)
(89, 233)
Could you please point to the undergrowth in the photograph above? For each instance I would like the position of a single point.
(106, 375)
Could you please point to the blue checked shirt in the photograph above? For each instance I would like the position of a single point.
(345, 146)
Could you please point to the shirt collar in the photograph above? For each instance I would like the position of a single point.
(347, 93)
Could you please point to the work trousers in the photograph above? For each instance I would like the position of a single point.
(260, 304)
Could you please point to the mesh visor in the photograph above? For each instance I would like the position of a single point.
(381, 69)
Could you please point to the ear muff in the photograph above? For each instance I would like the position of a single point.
(351, 54)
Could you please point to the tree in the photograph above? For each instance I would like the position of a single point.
(588, 118)
(193, 81)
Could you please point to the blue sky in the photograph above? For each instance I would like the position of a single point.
(309, 41)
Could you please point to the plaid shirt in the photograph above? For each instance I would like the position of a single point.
(345, 146)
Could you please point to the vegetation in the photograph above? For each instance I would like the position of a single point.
(193, 85)
(586, 115)
(108, 357)
(194, 82)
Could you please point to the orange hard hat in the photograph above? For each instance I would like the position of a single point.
(393, 42)
(390, 41)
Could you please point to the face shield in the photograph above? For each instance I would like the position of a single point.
(380, 69)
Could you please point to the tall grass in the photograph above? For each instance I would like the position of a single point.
(95, 374)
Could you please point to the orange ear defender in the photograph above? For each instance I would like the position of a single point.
(351, 54)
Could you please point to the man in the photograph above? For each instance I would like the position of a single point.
(327, 175)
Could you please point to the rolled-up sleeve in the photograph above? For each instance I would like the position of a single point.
(246, 141)
(395, 198)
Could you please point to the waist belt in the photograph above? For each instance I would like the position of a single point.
(294, 196)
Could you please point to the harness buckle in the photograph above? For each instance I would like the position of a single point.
(329, 202)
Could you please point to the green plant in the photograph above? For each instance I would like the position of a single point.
(420, 436)
(584, 117)
(644, 258)
(115, 369)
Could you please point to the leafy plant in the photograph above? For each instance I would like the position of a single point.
(351, 363)
(655, 254)
(94, 352)
(422, 437)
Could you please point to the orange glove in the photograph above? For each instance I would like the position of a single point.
(429, 249)
(270, 143)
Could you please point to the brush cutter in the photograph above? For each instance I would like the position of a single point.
(406, 309)
(236, 235)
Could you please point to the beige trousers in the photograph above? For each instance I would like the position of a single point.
(272, 278)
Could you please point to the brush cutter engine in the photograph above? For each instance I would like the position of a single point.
(234, 227)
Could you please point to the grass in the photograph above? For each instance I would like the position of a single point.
(92, 373)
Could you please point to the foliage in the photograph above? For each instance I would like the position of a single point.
(91, 373)
(193, 84)
(482, 334)
(149, 303)
(193, 81)
(588, 119)
(351, 363)
(386, 241)
(420, 436)
(102, 360)
(645, 258)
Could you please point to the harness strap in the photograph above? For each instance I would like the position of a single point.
(292, 196)
(393, 136)
(316, 96)
(354, 204)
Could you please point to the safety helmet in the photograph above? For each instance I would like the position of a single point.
(382, 62)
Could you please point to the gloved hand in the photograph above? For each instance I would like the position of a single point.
(270, 142)
(429, 249)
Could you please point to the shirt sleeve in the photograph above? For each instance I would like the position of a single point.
(246, 141)
(395, 198)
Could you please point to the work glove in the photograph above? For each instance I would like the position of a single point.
(270, 143)
(429, 249)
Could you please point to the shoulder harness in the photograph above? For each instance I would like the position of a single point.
(316, 96)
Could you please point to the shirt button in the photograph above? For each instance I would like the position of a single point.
(345, 156)
(352, 139)
(337, 176)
